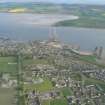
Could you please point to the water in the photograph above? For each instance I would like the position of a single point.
(17, 27)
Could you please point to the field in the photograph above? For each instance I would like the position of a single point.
(88, 18)
(92, 60)
(83, 22)
(89, 81)
(55, 102)
(42, 87)
(17, 10)
(89, 58)
(7, 96)
(99, 83)
(66, 92)
(8, 64)
(62, 101)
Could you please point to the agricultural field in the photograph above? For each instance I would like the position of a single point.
(8, 64)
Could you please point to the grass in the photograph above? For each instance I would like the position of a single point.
(42, 87)
(76, 76)
(6, 96)
(55, 102)
(89, 58)
(92, 81)
(59, 102)
(62, 101)
(67, 91)
(46, 102)
(5, 66)
(86, 22)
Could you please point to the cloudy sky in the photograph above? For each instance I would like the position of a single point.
(61, 1)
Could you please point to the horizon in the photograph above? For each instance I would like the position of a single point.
(93, 2)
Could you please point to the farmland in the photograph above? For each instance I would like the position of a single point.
(8, 64)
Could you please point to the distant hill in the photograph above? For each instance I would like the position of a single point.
(30, 7)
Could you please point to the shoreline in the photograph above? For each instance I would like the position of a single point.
(41, 19)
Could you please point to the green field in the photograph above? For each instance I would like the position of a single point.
(90, 58)
(59, 102)
(76, 76)
(89, 18)
(7, 96)
(91, 81)
(7, 64)
(86, 22)
(42, 87)
(55, 102)
(67, 91)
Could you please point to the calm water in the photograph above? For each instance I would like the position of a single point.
(17, 27)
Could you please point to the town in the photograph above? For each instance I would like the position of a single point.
(51, 72)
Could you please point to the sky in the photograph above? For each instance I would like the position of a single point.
(61, 1)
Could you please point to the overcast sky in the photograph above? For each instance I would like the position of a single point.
(61, 1)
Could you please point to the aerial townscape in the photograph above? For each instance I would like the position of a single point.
(50, 72)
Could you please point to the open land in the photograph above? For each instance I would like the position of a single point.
(7, 96)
